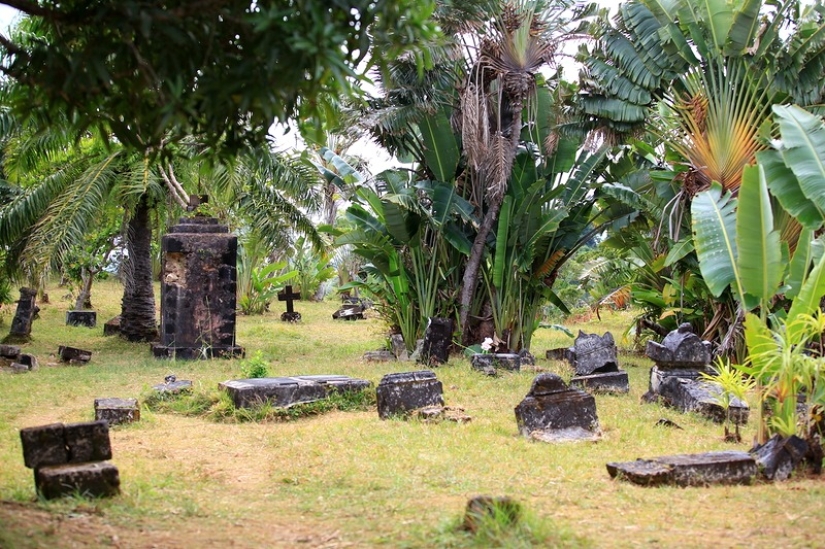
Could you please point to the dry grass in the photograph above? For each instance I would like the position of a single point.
(348, 479)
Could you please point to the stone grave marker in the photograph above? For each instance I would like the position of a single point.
(400, 393)
(283, 392)
(173, 386)
(596, 363)
(81, 318)
(21, 324)
(198, 291)
(554, 412)
(112, 326)
(711, 468)
(681, 354)
(779, 456)
(14, 361)
(438, 338)
(73, 355)
(352, 308)
(71, 459)
(290, 297)
(702, 397)
(381, 355)
(490, 363)
(117, 410)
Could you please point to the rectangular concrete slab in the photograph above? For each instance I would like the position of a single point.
(282, 392)
(710, 468)
(99, 479)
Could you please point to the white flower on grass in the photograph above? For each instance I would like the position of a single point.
(487, 344)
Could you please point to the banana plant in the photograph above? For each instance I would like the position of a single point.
(409, 232)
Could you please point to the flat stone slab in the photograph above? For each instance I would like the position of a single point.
(400, 393)
(554, 412)
(283, 392)
(73, 355)
(490, 363)
(711, 468)
(117, 410)
(379, 356)
(174, 387)
(608, 382)
(702, 397)
(99, 479)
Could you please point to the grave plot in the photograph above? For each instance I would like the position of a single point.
(554, 412)
(283, 392)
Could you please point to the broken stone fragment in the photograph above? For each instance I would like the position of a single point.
(710, 468)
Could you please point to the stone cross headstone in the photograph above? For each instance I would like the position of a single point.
(290, 297)
(553, 412)
(21, 324)
(198, 291)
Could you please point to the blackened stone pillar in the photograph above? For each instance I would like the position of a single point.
(21, 324)
(197, 291)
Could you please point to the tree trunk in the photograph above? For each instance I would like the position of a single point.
(138, 321)
(470, 279)
(84, 296)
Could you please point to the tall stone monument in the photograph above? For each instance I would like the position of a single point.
(197, 291)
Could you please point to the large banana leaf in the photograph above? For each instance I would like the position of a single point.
(800, 263)
(714, 227)
(440, 146)
(760, 253)
(784, 185)
(808, 299)
(803, 149)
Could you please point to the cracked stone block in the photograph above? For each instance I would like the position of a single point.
(117, 410)
(283, 392)
(99, 479)
(400, 393)
(554, 412)
(710, 468)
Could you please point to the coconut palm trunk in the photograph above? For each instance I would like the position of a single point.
(138, 321)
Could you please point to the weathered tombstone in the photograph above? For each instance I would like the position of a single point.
(702, 397)
(595, 361)
(681, 354)
(438, 338)
(117, 410)
(81, 318)
(593, 353)
(399, 347)
(73, 355)
(352, 308)
(710, 468)
(197, 291)
(553, 412)
(70, 459)
(112, 326)
(779, 456)
(173, 387)
(21, 324)
(283, 392)
(400, 393)
(290, 297)
(9, 351)
(490, 363)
